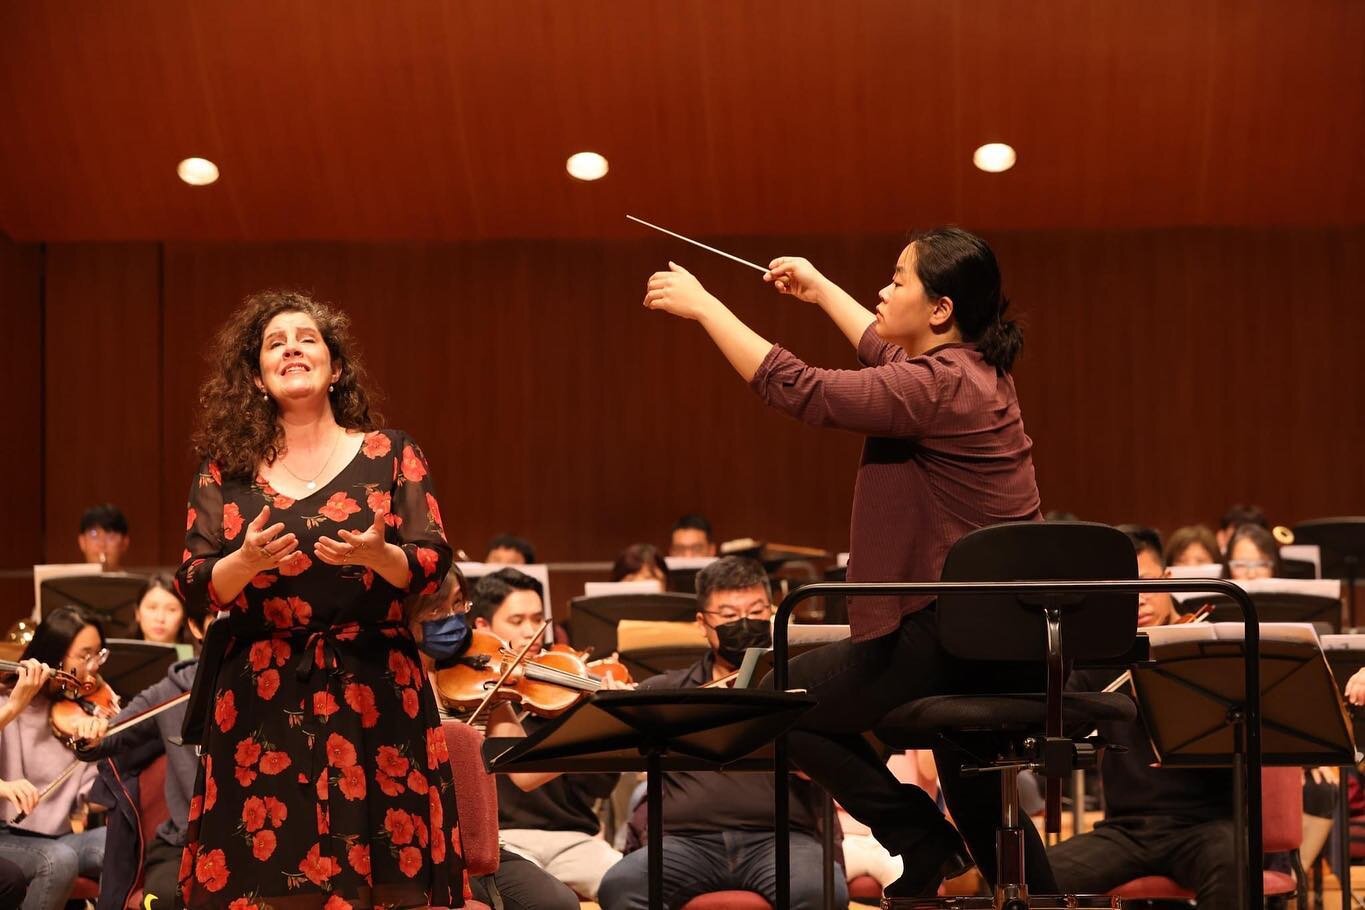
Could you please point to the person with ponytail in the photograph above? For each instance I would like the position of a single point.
(945, 453)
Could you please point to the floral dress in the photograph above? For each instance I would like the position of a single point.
(324, 779)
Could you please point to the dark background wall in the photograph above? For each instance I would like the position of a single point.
(1165, 375)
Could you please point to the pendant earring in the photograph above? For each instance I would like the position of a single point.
(331, 388)
(265, 396)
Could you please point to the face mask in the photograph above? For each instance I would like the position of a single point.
(736, 637)
(446, 637)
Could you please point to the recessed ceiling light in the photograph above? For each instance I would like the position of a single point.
(587, 166)
(994, 157)
(197, 171)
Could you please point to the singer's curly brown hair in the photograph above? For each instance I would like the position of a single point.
(238, 426)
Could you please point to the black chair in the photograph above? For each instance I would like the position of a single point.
(1010, 731)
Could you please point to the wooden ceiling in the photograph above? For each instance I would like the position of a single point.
(408, 120)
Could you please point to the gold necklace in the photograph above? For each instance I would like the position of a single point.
(312, 484)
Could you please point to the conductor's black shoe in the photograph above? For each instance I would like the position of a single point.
(928, 865)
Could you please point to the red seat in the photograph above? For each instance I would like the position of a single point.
(476, 797)
(1281, 830)
(728, 900)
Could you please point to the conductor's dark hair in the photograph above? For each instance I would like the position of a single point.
(695, 522)
(491, 590)
(1239, 514)
(959, 265)
(54, 635)
(1145, 540)
(106, 516)
(635, 557)
(730, 573)
(512, 542)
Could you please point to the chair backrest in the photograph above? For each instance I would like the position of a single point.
(1006, 627)
(1281, 809)
(151, 798)
(476, 797)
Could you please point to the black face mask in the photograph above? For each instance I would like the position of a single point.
(736, 637)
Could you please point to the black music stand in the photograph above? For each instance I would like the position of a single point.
(657, 730)
(1341, 542)
(112, 596)
(594, 621)
(134, 664)
(1345, 655)
(1192, 695)
(1275, 606)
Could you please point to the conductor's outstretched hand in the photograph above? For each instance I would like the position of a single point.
(357, 548)
(797, 277)
(678, 292)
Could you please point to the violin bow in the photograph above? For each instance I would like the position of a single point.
(507, 671)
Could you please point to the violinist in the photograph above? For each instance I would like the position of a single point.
(131, 750)
(46, 845)
(547, 818)
(1175, 822)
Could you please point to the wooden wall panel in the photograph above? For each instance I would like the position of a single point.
(21, 445)
(102, 345)
(1166, 374)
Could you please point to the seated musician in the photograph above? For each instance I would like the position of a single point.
(46, 845)
(640, 562)
(548, 818)
(131, 750)
(1158, 821)
(1252, 553)
(519, 883)
(104, 536)
(510, 550)
(719, 827)
(691, 537)
(1234, 518)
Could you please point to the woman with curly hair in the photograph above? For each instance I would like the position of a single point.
(324, 780)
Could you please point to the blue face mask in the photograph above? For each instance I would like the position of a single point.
(445, 638)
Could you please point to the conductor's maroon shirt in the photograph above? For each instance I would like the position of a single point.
(945, 453)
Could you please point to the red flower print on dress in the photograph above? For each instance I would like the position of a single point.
(243, 903)
(410, 861)
(248, 752)
(281, 501)
(379, 501)
(376, 445)
(391, 761)
(274, 762)
(216, 474)
(359, 858)
(287, 612)
(253, 814)
(414, 468)
(438, 846)
(434, 509)
(196, 807)
(417, 783)
(387, 785)
(437, 813)
(225, 712)
(267, 684)
(335, 902)
(410, 703)
(340, 751)
(437, 751)
(427, 558)
(399, 826)
(189, 523)
(318, 868)
(419, 829)
(324, 818)
(232, 521)
(324, 705)
(295, 564)
(351, 782)
(401, 668)
(259, 655)
(244, 776)
(211, 870)
(263, 844)
(339, 507)
(278, 811)
(361, 699)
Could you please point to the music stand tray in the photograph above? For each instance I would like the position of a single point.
(112, 596)
(657, 730)
(133, 664)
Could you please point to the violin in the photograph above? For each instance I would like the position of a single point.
(546, 684)
(96, 698)
(609, 667)
(69, 683)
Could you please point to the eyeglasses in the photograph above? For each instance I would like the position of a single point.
(98, 534)
(93, 661)
(762, 612)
